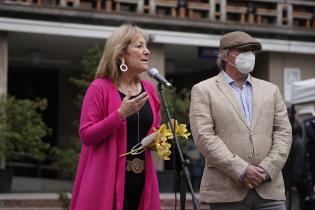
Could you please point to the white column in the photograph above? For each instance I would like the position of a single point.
(223, 10)
(157, 59)
(3, 63)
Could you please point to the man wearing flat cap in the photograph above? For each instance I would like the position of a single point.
(240, 125)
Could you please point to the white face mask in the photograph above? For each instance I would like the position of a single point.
(245, 62)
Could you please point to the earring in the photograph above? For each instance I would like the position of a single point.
(123, 67)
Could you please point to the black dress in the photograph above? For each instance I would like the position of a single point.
(135, 164)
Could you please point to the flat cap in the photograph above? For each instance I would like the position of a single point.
(239, 40)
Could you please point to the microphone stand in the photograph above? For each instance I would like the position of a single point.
(185, 171)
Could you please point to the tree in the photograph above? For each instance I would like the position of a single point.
(182, 104)
(22, 128)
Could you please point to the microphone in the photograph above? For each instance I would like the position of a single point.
(154, 73)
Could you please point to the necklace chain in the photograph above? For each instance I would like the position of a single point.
(138, 116)
(127, 88)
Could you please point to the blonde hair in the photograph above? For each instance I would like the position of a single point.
(115, 46)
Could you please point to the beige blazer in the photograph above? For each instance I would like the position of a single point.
(221, 134)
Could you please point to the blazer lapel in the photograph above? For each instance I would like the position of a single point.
(257, 102)
(228, 93)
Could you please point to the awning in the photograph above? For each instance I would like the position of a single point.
(303, 91)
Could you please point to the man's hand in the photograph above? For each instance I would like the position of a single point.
(253, 176)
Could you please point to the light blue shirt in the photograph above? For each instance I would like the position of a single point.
(243, 95)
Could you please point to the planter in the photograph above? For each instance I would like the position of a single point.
(6, 180)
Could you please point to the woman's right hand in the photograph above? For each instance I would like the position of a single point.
(131, 106)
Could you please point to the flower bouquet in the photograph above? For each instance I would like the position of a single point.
(158, 140)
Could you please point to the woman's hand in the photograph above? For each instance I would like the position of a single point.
(131, 106)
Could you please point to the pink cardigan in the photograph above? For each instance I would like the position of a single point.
(100, 178)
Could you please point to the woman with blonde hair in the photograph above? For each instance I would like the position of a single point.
(119, 109)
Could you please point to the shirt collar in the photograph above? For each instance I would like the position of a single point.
(230, 81)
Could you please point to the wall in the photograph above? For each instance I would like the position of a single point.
(279, 61)
(157, 59)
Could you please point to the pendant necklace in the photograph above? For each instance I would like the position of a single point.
(138, 118)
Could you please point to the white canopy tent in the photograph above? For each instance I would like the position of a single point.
(303, 91)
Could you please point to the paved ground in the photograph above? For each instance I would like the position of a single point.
(49, 201)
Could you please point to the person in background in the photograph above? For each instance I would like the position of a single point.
(118, 111)
(240, 124)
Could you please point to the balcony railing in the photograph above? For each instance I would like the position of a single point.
(287, 13)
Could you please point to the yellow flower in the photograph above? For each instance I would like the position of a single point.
(163, 150)
(160, 144)
(181, 130)
(164, 132)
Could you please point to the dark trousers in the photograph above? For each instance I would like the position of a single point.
(132, 199)
(251, 202)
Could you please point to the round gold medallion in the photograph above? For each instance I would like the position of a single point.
(137, 165)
